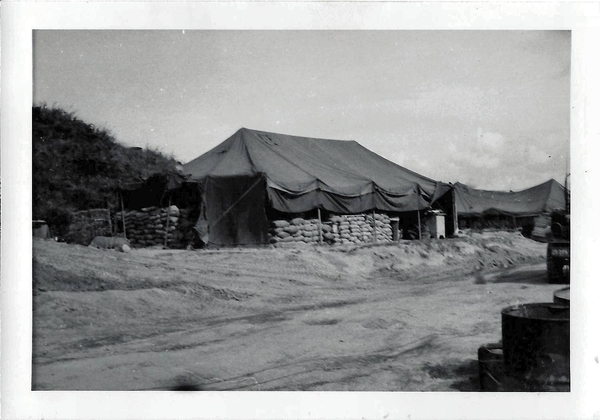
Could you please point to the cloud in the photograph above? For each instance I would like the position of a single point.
(533, 155)
(495, 161)
(490, 142)
(459, 102)
(456, 101)
(486, 152)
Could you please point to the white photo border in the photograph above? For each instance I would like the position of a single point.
(20, 19)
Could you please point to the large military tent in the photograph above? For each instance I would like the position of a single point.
(541, 198)
(517, 209)
(252, 170)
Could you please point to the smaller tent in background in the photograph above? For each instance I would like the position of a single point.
(524, 209)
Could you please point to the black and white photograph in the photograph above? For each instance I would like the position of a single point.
(330, 211)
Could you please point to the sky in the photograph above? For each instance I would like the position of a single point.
(490, 109)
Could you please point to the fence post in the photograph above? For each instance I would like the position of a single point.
(374, 227)
(110, 226)
(320, 231)
(167, 228)
(123, 214)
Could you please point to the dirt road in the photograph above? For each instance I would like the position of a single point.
(401, 317)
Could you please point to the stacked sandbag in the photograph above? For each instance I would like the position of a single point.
(299, 230)
(184, 233)
(383, 227)
(358, 228)
(347, 229)
(148, 226)
(353, 229)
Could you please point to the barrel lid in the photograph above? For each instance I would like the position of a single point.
(563, 295)
(543, 311)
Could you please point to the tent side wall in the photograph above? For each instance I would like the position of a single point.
(340, 204)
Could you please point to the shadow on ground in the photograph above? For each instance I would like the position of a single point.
(534, 276)
(464, 375)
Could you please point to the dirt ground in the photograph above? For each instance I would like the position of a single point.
(396, 317)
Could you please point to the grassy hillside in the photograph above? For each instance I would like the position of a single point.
(77, 166)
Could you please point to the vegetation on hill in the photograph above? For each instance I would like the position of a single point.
(77, 166)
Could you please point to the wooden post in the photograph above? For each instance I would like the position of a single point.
(320, 231)
(167, 228)
(454, 212)
(110, 227)
(419, 222)
(123, 214)
(374, 228)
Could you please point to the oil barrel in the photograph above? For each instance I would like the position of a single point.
(536, 346)
(563, 296)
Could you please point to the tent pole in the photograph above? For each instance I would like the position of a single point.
(419, 222)
(454, 211)
(320, 231)
(168, 217)
(123, 214)
(374, 228)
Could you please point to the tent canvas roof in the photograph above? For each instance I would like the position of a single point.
(544, 197)
(305, 173)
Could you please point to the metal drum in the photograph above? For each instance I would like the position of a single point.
(563, 296)
(535, 341)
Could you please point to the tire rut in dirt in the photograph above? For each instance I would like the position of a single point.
(332, 366)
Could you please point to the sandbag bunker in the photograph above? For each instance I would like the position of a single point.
(345, 229)
(151, 226)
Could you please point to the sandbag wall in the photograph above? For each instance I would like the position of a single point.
(184, 235)
(148, 226)
(345, 229)
(358, 228)
(298, 230)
